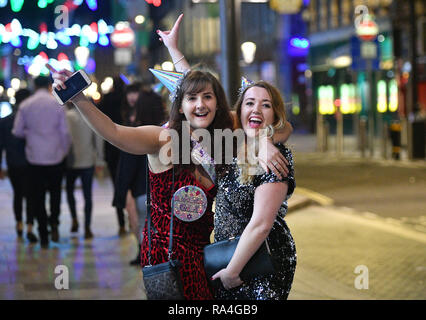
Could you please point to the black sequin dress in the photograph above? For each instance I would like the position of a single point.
(234, 207)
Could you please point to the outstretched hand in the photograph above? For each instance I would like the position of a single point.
(170, 37)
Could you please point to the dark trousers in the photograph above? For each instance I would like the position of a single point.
(19, 180)
(86, 177)
(45, 179)
(112, 155)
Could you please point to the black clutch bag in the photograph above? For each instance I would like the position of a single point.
(217, 256)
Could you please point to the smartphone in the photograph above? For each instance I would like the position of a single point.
(78, 81)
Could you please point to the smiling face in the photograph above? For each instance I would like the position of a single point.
(199, 108)
(256, 110)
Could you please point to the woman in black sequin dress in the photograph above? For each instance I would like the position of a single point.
(254, 206)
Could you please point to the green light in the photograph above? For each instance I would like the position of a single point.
(326, 100)
(16, 5)
(381, 96)
(393, 96)
(42, 3)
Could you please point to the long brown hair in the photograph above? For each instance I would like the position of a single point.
(193, 83)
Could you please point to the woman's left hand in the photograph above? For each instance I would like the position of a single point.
(228, 279)
(271, 158)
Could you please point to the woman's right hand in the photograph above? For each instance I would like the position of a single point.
(170, 37)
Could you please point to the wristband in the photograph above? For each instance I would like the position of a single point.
(175, 63)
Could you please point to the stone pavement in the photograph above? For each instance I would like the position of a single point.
(331, 242)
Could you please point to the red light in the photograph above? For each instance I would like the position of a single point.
(43, 55)
(337, 102)
(62, 56)
(156, 3)
(94, 27)
(43, 27)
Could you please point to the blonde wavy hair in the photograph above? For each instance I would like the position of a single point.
(247, 169)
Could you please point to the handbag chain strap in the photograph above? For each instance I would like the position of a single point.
(148, 209)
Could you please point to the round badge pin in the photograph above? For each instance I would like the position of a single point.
(190, 203)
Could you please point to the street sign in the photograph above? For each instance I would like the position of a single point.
(358, 61)
(368, 50)
(367, 30)
(123, 36)
(122, 56)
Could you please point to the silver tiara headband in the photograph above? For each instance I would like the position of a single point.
(244, 84)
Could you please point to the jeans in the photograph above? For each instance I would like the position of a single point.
(43, 179)
(141, 208)
(86, 177)
(18, 178)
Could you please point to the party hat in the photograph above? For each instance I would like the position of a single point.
(170, 79)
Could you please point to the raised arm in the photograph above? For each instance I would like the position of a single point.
(139, 140)
(170, 39)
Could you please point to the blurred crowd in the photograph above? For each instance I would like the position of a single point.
(47, 145)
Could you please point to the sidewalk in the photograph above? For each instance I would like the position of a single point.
(331, 242)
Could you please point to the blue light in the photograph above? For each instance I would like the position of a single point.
(3, 3)
(92, 4)
(124, 78)
(77, 2)
(63, 38)
(103, 40)
(16, 42)
(301, 43)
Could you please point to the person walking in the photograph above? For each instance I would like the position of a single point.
(110, 105)
(86, 153)
(17, 169)
(42, 122)
(142, 106)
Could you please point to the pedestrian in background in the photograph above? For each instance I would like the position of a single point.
(42, 122)
(86, 152)
(142, 106)
(17, 168)
(110, 105)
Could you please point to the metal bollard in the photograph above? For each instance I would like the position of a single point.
(363, 135)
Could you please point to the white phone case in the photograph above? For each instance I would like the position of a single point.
(85, 77)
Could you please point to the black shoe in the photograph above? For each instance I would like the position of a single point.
(88, 234)
(44, 244)
(54, 234)
(31, 237)
(74, 227)
(122, 232)
(136, 261)
(19, 230)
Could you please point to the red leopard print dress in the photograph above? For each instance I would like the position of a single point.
(189, 238)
